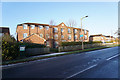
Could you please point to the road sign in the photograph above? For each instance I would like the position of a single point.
(22, 48)
(81, 35)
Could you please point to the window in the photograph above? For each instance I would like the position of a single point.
(62, 24)
(24, 35)
(55, 30)
(101, 37)
(41, 35)
(79, 31)
(75, 36)
(47, 35)
(56, 44)
(56, 36)
(32, 26)
(69, 31)
(69, 37)
(75, 30)
(62, 37)
(41, 27)
(25, 26)
(47, 27)
(85, 31)
(85, 37)
(62, 29)
(47, 43)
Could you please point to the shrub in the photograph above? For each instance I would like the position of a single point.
(32, 45)
(10, 48)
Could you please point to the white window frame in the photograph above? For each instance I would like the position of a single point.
(47, 43)
(62, 24)
(55, 29)
(62, 29)
(69, 37)
(75, 30)
(75, 36)
(25, 26)
(32, 26)
(40, 27)
(25, 35)
(47, 36)
(41, 35)
(69, 30)
(85, 37)
(85, 31)
(56, 36)
(62, 36)
(56, 43)
(47, 27)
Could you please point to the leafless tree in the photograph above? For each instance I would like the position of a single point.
(52, 22)
(71, 23)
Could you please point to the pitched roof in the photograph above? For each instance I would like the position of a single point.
(36, 35)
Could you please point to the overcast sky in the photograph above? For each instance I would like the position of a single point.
(102, 16)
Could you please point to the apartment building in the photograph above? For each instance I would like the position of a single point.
(100, 37)
(50, 35)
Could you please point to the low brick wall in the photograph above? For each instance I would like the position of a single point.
(36, 51)
(78, 47)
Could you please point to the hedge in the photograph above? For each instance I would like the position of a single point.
(10, 47)
(31, 45)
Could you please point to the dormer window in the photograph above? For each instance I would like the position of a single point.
(41, 27)
(47, 27)
(62, 24)
(32, 26)
(25, 26)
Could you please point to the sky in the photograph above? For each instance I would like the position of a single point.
(102, 16)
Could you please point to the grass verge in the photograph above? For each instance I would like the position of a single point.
(36, 58)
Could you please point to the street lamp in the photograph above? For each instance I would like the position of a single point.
(82, 31)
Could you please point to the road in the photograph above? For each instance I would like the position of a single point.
(93, 64)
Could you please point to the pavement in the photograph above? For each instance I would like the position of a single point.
(14, 64)
(93, 64)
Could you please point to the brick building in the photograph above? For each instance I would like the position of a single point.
(4, 30)
(100, 37)
(51, 35)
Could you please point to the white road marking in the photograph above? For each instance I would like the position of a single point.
(81, 71)
(112, 57)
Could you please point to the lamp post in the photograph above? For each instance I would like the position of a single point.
(82, 31)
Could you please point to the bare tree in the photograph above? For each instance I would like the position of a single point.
(52, 22)
(71, 23)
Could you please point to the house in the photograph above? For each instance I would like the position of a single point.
(52, 35)
(4, 30)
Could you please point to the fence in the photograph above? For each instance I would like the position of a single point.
(36, 51)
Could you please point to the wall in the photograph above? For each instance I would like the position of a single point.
(79, 47)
